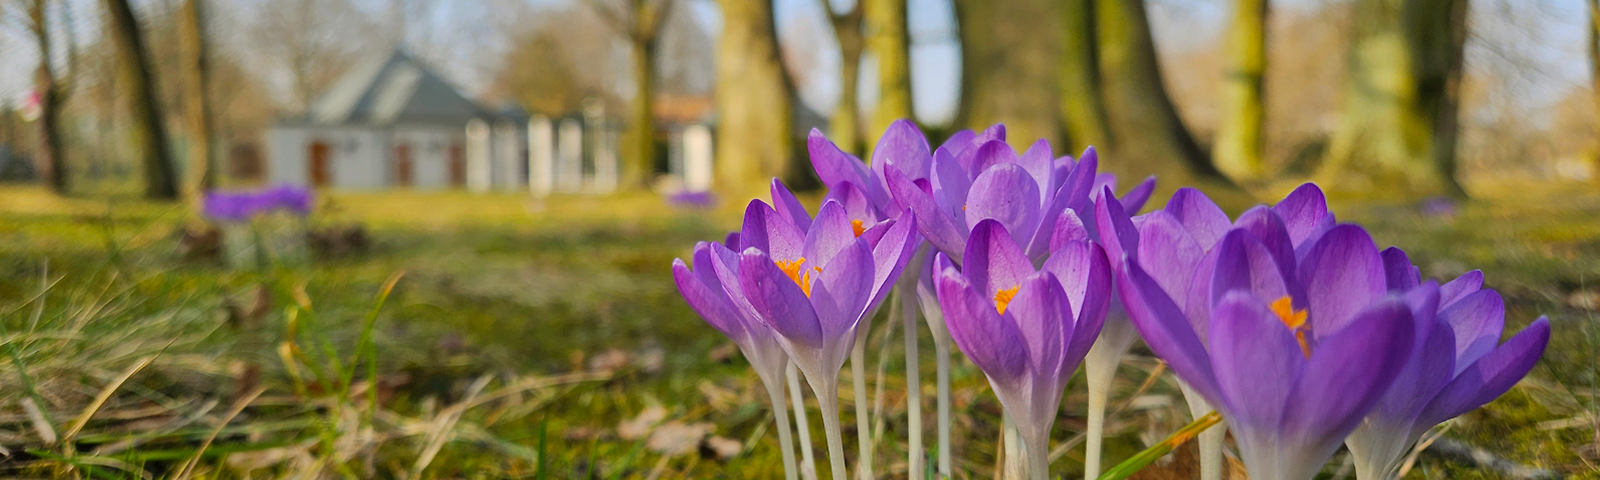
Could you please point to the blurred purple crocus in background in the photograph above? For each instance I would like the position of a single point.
(812, 281)
(243, 206)
(1027, 330)
(1458, 364)
(1294, 342)
(705, 293)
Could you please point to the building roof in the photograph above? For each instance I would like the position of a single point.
(393, 89)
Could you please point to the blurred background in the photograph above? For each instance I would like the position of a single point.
(461, 266)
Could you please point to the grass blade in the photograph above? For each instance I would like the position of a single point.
(1132, 465)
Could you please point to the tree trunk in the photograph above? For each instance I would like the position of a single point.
(52, 158)
(845, 126)
(1397, 133)
(148, 127)
(1136, 95)
(1008, 68)
(890, 44)
(1238, 142)
(754, 110)
(202, 164)
(1594, 79)
(1083, 106)
(1439, 37)
(639, 141)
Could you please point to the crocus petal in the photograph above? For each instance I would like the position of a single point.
(788, 207)
(988, 154)
(834, 166)
(996, 132)
(1136, 197)
(1204, 219)
(1428, 369)
(1242, 264)
(765, 230)
(1116, 231)
(958, 141)
(855, 202)
(830, 233)
(1347, 373)
(1342, 274)
(777, 300)
(1165, 329)
(710, 303)
(904, 147)
(890, 256)
(1477, 320)
(1085, 275)
(1269, 229)
(1256, 360)
(978, 330)
(1490, 376)
(1398, 272)
(1006, 193)
(1304, 212)
(934, 224)
(1044, 319)
(950, 183)
(840, 292)
(1068, 228)
(1457, 289)
(993, 260)
(1072, 195)
(1039, 163)
(732, 240)
(1169, 255)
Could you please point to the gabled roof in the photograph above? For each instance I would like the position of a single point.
(393, 89)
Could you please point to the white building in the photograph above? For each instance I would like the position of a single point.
(393, 123)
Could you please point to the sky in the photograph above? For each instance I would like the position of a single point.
(1549, 56)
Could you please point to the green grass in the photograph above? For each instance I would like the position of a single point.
(485, 350)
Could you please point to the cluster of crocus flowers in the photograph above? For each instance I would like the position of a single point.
(1297, 328)
(1293, 327)
(245, 205)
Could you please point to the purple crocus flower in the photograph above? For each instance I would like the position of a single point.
(1027, 330)
(813, 286)
(812, 281)
(1458, 364)
(1285, 324)
(706, 295)
(243, 206)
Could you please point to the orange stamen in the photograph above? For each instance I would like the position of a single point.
(1295, 320)
(1002, 298)
(858, 227)
(792, 268)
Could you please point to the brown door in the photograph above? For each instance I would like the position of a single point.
(319, 164)
(458, 165)
(402, 165)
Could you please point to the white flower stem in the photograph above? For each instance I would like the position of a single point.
(906, 293)
(1100, 368)
(781, 413)
(941, 351)
(1210, 441)
(1015, 462)
(809, 468)
(827, 392)
(1039, 458)
(858, 384)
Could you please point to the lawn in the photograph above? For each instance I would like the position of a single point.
(529, 339)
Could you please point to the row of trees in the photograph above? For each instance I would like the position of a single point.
(1086, 72)
(136, 75)
(1078, 72)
